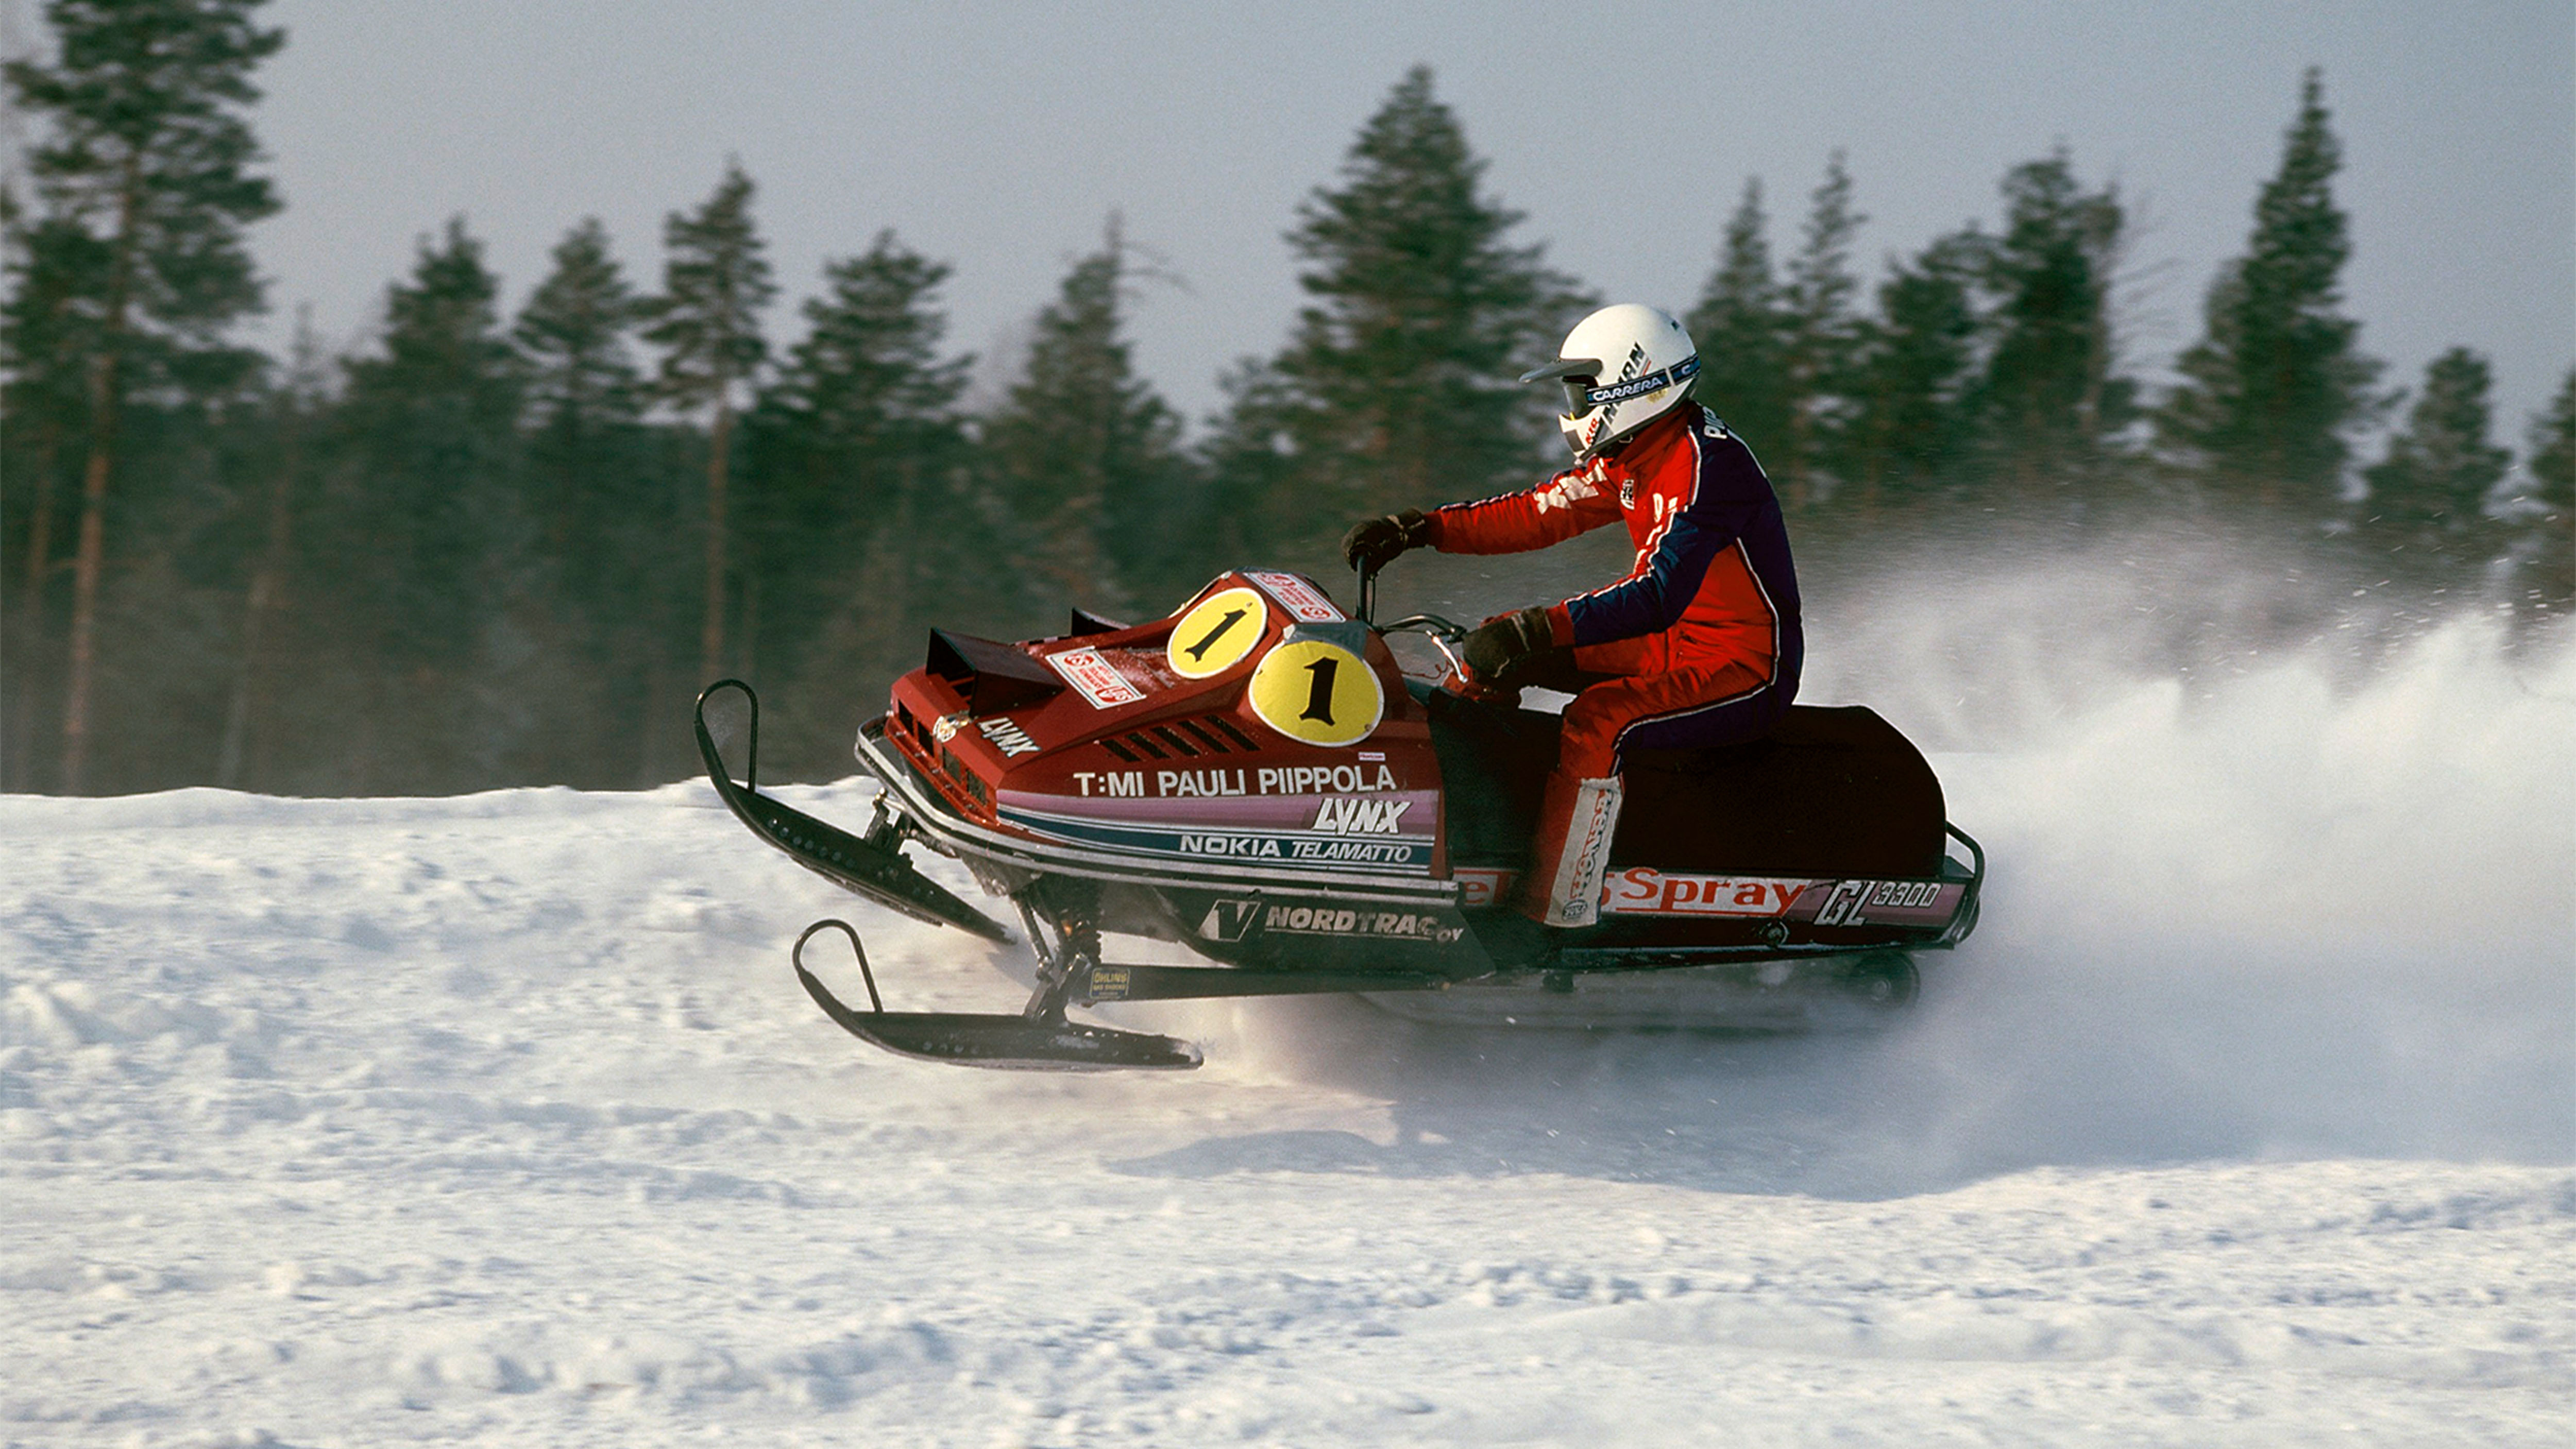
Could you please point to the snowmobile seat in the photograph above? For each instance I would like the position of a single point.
(1832, 790)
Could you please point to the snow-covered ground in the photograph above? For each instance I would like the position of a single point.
(2247, 1119)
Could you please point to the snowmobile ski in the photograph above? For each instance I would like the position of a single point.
(1039, 1039)
(872, 866)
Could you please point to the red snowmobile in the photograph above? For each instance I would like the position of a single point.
(1255, 777)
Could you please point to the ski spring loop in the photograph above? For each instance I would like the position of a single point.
(876, 1003)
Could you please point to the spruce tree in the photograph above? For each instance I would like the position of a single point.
(1737, 327)
(2545, 549)
(1910, 422)
(715, 283)
(1399, 379)
(857, 507)
(607, 508)
(583, 388)
(2273, 387)
(2553, 449)
(1820, 337)
(867, 375)
(1085, 452)
(426, 520)
(2050, 399)
(146, 154)
(2428, 496)
(1250, 502)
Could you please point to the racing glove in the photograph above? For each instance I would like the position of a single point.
(1379, 541)
(1506, 643)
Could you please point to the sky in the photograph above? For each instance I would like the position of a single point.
(998, 137)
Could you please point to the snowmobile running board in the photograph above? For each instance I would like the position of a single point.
(874, 867)
(1039, 1039)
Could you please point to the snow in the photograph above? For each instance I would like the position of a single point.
(2248, 1118)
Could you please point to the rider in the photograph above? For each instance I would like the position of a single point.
(1699, 645)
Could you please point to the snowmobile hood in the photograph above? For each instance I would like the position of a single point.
(1256, 726)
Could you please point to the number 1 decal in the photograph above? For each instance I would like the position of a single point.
(1198, 651)
(1216, 634)
(1319, 694)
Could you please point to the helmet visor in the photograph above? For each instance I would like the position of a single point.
(1579, 375)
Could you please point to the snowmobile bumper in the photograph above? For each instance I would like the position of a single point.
(873, 866)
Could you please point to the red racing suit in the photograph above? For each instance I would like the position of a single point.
(1699, 645)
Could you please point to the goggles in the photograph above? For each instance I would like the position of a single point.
(1585, 391)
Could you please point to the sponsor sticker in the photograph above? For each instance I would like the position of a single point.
(1214, 636)
(1097, 678)
(1317, 692)
(1484, 887)
(1642, 890)
(1227, 920)
(1856, 901)
(1209, 784)
(1300, 848)
(1337, 816)
(1304, 602)
(1012, 739)
(1376, 924)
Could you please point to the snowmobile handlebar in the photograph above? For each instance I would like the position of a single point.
(1443, 633)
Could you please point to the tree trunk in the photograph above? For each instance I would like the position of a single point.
(106, 397)
(21, 767)
(267, 587)
(711, 632)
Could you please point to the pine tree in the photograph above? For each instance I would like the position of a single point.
(2050, 400)
(146, 155)
(1085, 452)
(2271, 390)
(1399, 379)
(2428, 496)
(715, 284)
(1737, 327)
(47, 329)
(1910, 421)
(1820, 341)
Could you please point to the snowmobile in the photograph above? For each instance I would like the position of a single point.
(1256, 778)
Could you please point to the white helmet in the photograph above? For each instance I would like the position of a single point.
(1623, 367)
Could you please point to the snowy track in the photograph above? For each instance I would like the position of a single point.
(501, 1120)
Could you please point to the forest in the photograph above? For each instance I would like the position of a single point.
(488, 549)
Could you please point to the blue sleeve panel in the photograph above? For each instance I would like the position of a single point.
(1731, 500)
